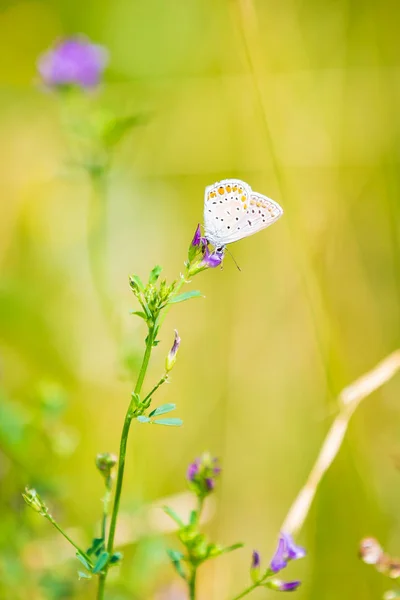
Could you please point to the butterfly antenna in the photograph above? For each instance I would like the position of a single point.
(233, 258)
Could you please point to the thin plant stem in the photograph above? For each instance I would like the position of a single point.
(155, 388)
(106, 503)
(57, 526)
(121, 460)
(192, 584)
(124, 439)
(246, 591)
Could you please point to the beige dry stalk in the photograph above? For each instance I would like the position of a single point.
(349, 400)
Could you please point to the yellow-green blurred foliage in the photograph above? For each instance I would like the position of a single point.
(265, 353)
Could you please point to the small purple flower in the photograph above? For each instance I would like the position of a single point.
(193, 470)
(210, 483)
(73, 61)
(212, 259)
(196, 241)
(293, 551)
(201, 474)
(171, 358)
(255, 560)
(279, 560)
(289, 586)
(286, 550)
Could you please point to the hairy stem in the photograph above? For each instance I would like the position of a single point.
(56, 525)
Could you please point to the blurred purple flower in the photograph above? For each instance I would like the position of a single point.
(294, 552)
(73, 61)
(289, 586)
(201, 474)
(193, 470)
(212, 259)
(286, 550)
(279, 560)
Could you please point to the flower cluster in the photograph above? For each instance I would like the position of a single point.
(73, 62)
(199, 255)
(202, 473)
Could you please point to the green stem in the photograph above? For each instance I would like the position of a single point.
(247, 591)
(192, 584)
(121, 462)
(155, 388)
(106, 503)
(56, 525)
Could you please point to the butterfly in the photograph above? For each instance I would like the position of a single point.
(232, 211)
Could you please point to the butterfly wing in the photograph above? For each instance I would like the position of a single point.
(233, 211)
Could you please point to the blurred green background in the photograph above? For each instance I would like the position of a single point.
(264, 355)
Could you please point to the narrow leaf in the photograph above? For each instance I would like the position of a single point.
(176, 558)
(101, 562)
(155, 274)
(83, 575)
(143, 419)
(83, 560)
(171, 513)
(185, 296)
(231, 548)
(170, 422)
(138, 313)
(161, 410)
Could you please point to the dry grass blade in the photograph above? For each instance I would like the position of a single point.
(349, 400)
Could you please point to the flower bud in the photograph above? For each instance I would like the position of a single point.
(105, 462)
(255, 566)
(33, 500)
(283, 586)
(171, 358)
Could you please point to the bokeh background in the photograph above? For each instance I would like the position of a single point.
(308, 113)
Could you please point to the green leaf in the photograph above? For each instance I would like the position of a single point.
(171, 513)
(138, 313)
(231, 548)
(185, 296)
(83, 560)
(137, 283)
(143, 419)
(101, 562)
(193, 517)
(155, 274)
(170, 422)
(176, 558)
(83, 575)
(161, 410)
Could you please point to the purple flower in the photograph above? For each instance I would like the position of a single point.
(212, 259)
(255, 560)
(286, 550)
(289, 586)
(293, 551)
(282, 586)
(196, 241)
(201, 474)
(73, 61)
(193, 470)
(279, 560)
(171, 358)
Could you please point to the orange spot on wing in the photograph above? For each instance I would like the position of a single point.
(221, 191)
(228, 189)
